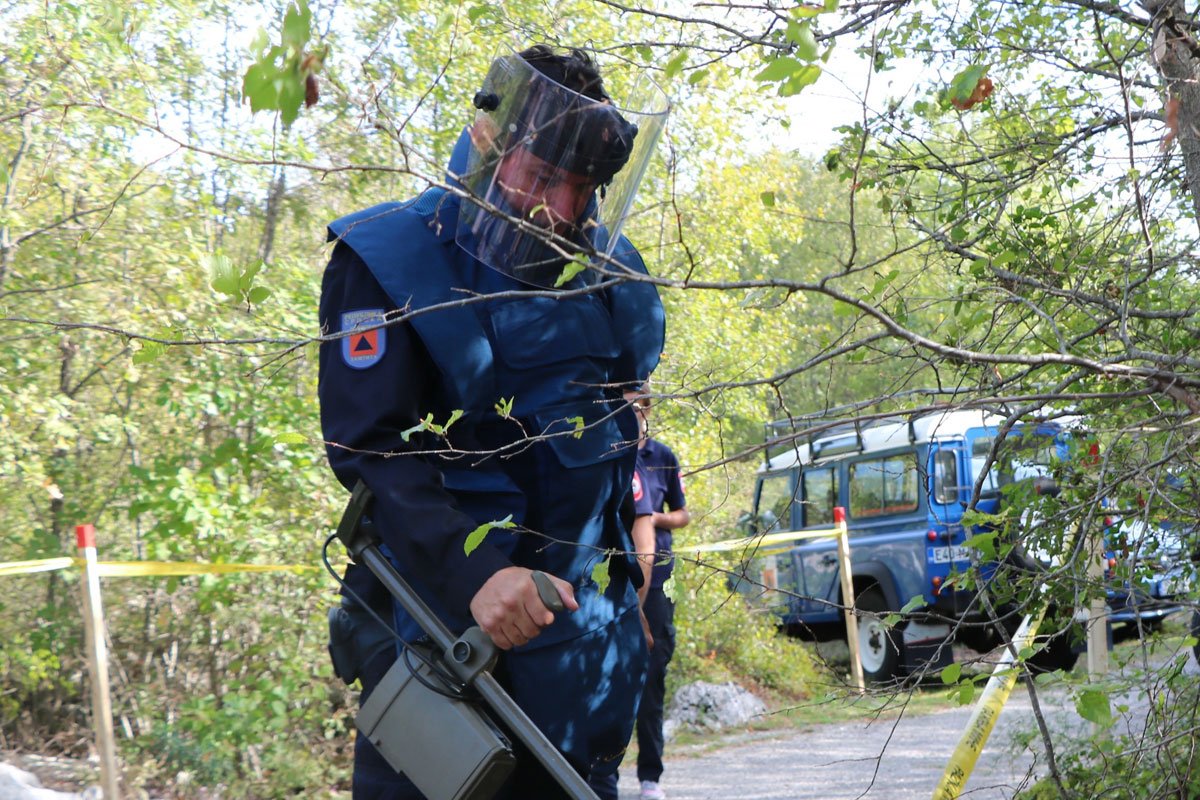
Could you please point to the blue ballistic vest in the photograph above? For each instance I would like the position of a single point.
(551, 356)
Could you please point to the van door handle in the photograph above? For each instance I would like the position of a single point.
(828, 560)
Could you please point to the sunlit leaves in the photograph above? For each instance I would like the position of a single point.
(228, 279)
(427, 424)
(283, 76)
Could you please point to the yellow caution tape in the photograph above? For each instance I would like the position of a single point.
(125, 569)
(759, 543)
(128, 569)
(987, 710)
(40, 565)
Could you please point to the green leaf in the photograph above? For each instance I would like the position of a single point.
(258, 86)
(504, 407)
(697, 76)
(291, 437)
(572, 268)
(148, 352)
(476, 537)
(801, 35)
(768, 199)
(951, 674)
(291, 95)
(247, 278)
(423, 425)
(841, 309)
(261, 42)
(883, 281)
(914, 602)
(780, 69)
(475, 13)
(985, 543)
(966, 693)
(1092, 705)
(805, 12)
(803, 78)
(1006, 257)
(258, 294)
(3, 173)
(579, 424)
(297, 25)
(675, 65)
(223, 276)
(964, 83)
(671, 588)
(600, 574)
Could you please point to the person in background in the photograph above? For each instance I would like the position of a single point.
(663, 486)
(658, 491)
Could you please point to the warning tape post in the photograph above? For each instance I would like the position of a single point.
(92, 570)
(772, 544)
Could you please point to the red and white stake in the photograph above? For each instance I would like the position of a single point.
(93, 621)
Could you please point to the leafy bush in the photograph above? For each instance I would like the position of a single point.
(720, 638)
(1158, 763)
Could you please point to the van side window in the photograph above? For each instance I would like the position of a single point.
(776, 495)
(945, 476)
(820, 496)
(884, 486)
(999, 474)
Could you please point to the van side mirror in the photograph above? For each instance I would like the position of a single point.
(1044, 486)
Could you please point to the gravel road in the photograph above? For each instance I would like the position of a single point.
(875, 759)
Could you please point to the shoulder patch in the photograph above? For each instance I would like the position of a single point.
(637, 486)
(363, 348)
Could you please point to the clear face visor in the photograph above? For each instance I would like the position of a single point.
(552, 174)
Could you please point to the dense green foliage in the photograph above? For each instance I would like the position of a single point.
(160, 256)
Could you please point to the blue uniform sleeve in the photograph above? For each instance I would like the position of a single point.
(674, 498)
(370, 393)
(642, 504)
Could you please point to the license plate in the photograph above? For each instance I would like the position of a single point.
(945, 555)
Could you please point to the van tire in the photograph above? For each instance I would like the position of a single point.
(1056, 654)
(878, 645)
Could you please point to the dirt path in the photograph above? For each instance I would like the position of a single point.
(878, 760)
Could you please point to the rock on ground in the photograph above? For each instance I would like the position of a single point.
(17, 784)
(711, 706)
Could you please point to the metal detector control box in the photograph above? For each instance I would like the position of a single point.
(448, 748)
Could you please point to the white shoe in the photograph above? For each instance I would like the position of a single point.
(651, 791)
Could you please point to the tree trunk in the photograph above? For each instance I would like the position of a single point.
(1177, 59)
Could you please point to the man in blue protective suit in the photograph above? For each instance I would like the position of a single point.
(477, 342)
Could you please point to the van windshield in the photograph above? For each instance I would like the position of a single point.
(1021, 456)
(776, 495)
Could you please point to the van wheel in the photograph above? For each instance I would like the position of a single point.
(877, 646)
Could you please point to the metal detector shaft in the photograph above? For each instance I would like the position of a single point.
(364, 549)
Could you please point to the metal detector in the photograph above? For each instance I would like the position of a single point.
(420, 719)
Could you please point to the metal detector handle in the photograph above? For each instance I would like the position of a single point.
(364, 549)
(550, 597)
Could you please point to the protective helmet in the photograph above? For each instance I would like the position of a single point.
(552, 173)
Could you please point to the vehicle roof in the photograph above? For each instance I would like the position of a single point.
(881, 435)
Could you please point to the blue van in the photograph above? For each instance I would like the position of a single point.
(904, 483)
